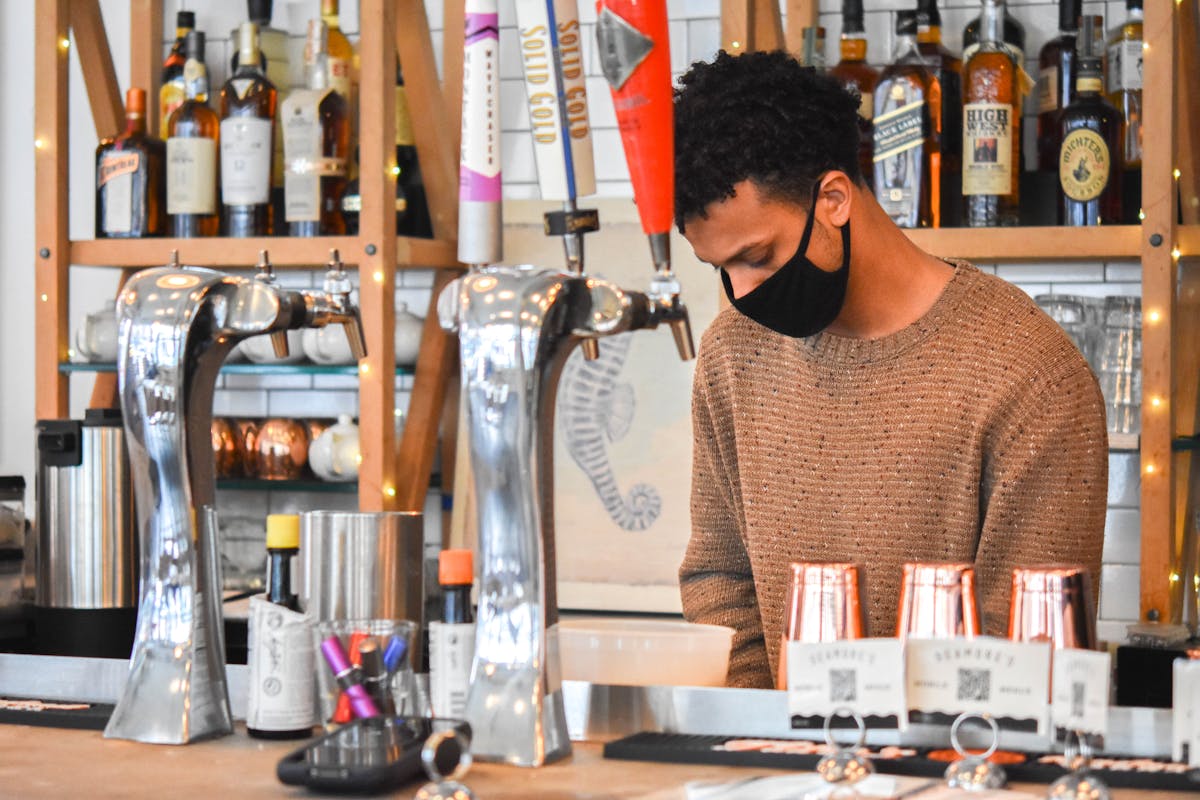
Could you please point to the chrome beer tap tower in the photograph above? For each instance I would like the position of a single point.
(516, 326)
(177, 324)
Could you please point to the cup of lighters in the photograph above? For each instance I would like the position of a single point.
(364, 668)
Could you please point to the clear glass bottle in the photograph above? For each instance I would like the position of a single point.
(947, 116)
(812, 53)
(1089, 162)
(129, 178)
(193, 133)
(991, 127)
(1056, 82)
(1013, 35)
(316, 140)
(248, 102)
(855, 74)
(906, 158)
(173, 90)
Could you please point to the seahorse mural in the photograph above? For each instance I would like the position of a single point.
(594, 408)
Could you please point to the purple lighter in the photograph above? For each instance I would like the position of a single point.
(347, 679)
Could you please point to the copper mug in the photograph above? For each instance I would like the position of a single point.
(938, 601)
(1053, 604)
(281, 450)
(823, 605)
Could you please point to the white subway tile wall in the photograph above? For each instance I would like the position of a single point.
(695, 35)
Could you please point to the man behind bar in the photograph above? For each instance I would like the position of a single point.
(861, 400)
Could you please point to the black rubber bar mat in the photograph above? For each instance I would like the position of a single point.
(676, 748)
(55, 714)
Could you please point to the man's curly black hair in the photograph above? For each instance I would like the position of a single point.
(763, 117)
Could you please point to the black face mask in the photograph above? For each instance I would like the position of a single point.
(800, 299)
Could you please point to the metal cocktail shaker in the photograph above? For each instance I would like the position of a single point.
(85, 599)
(1053, 604)
(823, 605)
(937, 601)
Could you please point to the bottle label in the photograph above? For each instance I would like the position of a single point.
(115, 176)
(339, 76)
(245, 161)
(1047, 89)
(987, 149)
(1084, 164)
(281, 666)
(451, 652)
(1131, 65)
(301, 124)
(866, 109)
(1017, 53)
(191, 175)
(241, 86)
(898, 138)
(404, 126)
(170, 97)
(195, 78)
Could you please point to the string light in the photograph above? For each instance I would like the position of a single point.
(45, 298)
(1156, 401)
(364, 368)
(1176, 173)
(1155, 315)
(395, 170)
(1150, 469)
(735, 44)
(389, 490)
(1175, 253)
(378, 276)
(64, 43)
(39, 143)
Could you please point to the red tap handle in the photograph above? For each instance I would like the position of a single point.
(633, 34)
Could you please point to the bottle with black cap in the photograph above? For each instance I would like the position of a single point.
(174, 88)
(858, 76)
(946, 116)
(1056, 81)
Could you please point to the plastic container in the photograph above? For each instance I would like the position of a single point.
(633, 652)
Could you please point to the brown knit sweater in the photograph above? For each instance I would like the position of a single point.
(974, 434)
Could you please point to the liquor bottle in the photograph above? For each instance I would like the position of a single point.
(452, 638)
(247, 132)
(991, 126)
(907, 163)
(192, 135)
(316, 144)
(1013, 35)
(129, 178)
(280, 656)
(1089, 162)
(173, 92)
(343, 61)
(1125, 92)
(854, 73)
(1056, 82)
(273, 50)
(412, 209)
(812, 53)
(947, 114)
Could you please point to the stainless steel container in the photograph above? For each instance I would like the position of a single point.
(86, 552)
(361, 565)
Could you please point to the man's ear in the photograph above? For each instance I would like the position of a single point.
(835, 199)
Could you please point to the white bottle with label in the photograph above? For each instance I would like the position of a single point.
(452, 640)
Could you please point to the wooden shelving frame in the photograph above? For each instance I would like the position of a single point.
(1165, 241)
(394, 474)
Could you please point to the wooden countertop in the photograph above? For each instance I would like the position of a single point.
(55, 763)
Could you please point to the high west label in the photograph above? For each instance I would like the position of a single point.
(988, 167)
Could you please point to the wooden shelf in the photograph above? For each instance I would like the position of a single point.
(1124, 441)
(298, 485)
(244, 368)
(987, 245)
(285, 251)
(1187, 239)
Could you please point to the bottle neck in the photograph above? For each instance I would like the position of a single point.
(181, 34)
(456, 603)
(316, 73)
(195, 80)
(991, 24)
(905, 44)
(279, 577)
(1135, 15)
(854, 47)
(929, 34)
(135, 122)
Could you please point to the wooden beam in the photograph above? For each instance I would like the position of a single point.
(377, 259)
(801, 14)
(51, 171)
(768, 26)
(737, 26)
(439, 355)
(1187, 104)
(146, 53)
(437, 152)
(1159, 595)
(287, 252)
(454, 16)
(95, 61)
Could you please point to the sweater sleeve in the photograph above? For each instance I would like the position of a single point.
(716, 581)
(1045, 487)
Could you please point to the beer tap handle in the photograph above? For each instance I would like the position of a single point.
(352, 326)
(266, 274)
(337, 288)
(681, 329)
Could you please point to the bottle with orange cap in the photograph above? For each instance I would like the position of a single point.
(130, 178)
(280, 659)
(452, 638)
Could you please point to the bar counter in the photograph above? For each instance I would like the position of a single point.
(56, 763)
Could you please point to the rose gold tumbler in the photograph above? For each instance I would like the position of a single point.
(1053, 604)
(823, 605)
(937, 601)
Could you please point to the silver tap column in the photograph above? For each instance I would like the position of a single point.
(177, 324)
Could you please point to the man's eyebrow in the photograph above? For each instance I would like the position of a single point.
(740, 255)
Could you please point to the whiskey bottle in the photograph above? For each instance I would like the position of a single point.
(192, 134)
(1125, 93)
(1056, 82)
(247, 132)
(316, 144)
(129, 178)
(991, 126)
(173, 91)
(812, 49)
(1013, 35)
(946, 115)
(859, 78)
(413, 218)
(1089, 164)
(343, 63)
(907, 163)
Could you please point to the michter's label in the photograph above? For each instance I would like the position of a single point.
(987, 149)
(898, 141)
(1083, 165)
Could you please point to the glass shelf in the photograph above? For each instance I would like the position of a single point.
(299, 485)
(246, 369)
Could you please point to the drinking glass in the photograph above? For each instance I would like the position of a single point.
(1073, 316)
(1121, 364)
(395, 689)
